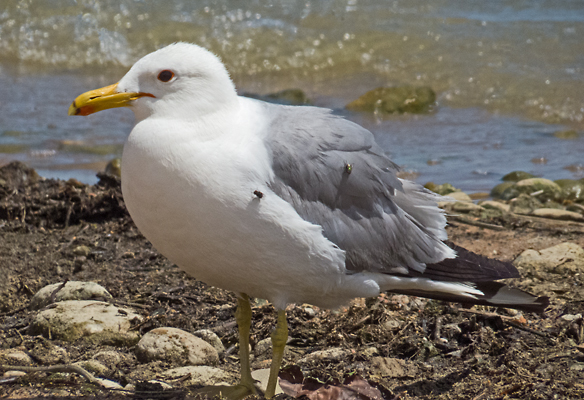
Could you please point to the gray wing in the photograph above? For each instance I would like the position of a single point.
(335, 175)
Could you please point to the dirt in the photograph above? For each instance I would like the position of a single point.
(443, 350)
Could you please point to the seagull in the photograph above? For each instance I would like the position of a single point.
(292, 204)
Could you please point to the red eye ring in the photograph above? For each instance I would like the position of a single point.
(165, 75)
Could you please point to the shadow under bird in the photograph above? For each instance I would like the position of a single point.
(287, 203)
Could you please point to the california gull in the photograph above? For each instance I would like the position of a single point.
(290, 204)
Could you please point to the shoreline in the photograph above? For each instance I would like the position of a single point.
(55, 231)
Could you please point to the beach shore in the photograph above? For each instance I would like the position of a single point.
(56, 231)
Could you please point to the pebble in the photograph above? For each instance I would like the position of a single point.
(387, 367)
(495, 205)
(72, 290)
(200, 375)
(175, 346)
(14, 357)
(93, 366)
(95, 321)
(107, 384)
(460, 197)
(211, 338)
(335, 354)
(263, 350)
(13, 374)
(47, 353)
(571, 317)
(109, 358)
(81, 251)
(464, 207)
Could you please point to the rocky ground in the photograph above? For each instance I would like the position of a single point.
(81, 240)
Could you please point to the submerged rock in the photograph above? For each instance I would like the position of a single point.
(391, 100)
(569, 134)
(289, 97)
(517, 176)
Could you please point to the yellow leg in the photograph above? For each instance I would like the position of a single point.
(279, 338)
(246, 386)
(243, 318)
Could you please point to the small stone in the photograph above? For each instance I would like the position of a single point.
(370, 352)
(330, 355)
(578, 366)
(460, 196)
(114, 167)
(47, 353)
(554, 213)
(109, 358)
(13, 374)
(14, 357)
(387, 367)
(95, 321)
(93, 366)
(495, 205)
(81, 251)
(72, 290)
(262, 376)
(464, 207)
(175, 346)
(309, 311)
(211, 338)
(392, 324)
(200, 375)
(107, 384)
(571, 317)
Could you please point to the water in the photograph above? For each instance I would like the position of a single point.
(508, 74)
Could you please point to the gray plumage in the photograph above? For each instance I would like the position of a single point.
(383, 223)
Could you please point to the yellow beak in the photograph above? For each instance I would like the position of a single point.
(102, 99)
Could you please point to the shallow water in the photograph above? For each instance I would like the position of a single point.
(508, 74)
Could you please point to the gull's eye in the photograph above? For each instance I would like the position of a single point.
(165, 75)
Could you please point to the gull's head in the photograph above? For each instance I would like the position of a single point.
(181, 79)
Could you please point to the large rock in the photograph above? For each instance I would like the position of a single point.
(539, 188)
(71, 290)
(175, 346)
(390, 100)
(562, 258)
(94, 321)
